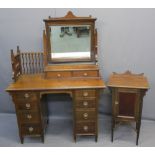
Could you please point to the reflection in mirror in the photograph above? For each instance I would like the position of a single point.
(70, 42)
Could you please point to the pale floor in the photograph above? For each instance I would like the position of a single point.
(59, 133)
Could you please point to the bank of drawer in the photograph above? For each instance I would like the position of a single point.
(25, 96)
(29, 117)
(82, 115)
(85, 93)
(85, 73)
(85, 128)
(56, 74)
(87, 103)
(31, 129)
(26, 105)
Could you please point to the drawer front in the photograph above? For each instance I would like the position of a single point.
(26, 105)
(86, 103)
(82, 115)
(85, 128)
(31, 129)
(85, 93)
(85, 74)
(29, 117)
(58, 74)
(25, 97)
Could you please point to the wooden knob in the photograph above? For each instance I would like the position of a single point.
(85, 94)
(26, 95)
(29, 116)
(85, 128)
(31, 129)
(85, 103)
(58, 75)
(28, 105)
(85, 115)
(85, 74)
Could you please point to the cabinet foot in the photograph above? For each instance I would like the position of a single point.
(21, 139)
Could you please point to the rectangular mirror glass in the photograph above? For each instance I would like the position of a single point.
(70, 42)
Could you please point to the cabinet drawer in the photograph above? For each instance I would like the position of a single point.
(82, 115)
(85, 93)
(85, 128)
(31, 129)
(26, 105)
(29, 117)
(56, 74)
(25, 96)
(85, 73)
(87, 103)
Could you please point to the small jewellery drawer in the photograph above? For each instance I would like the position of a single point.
(85, 93)
(85, 115)
(86, 103)
(27, 105)
(85, 73)
(55, 74)
(29, 117)
(31, 129)
(25, 96)
(85, 128)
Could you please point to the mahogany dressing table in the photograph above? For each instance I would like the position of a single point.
(68, 64)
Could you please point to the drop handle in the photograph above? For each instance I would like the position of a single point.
(85, 94)
(85, 103)
(116, 102)
(29, 116)
(85, 115)
(26, 95)
(28, 105)
(85, 128)
(31, 129)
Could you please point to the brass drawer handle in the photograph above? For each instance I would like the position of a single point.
(31, 129)
(58, 75)
(85, 128)
(85, 115)
(28, 105)
(85, 74)
(85, 94)
(85, 103)
(29, 116)
(26, 95)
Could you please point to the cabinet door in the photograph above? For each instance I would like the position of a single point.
(126, 104)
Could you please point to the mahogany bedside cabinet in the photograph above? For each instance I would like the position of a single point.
(128, 91)
(67, 65)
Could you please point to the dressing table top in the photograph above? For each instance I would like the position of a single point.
(36, 82)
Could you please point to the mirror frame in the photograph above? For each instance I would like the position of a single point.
(69, 19)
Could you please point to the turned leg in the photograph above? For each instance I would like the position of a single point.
(21, 139)
(112, 129)
(42, 138)
(96, 138)
(75, 138)
(138, 131)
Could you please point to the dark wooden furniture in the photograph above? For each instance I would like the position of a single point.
(128, 91)
(34, 76)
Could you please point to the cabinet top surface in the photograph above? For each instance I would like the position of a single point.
(37, 82)
(128, 80)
